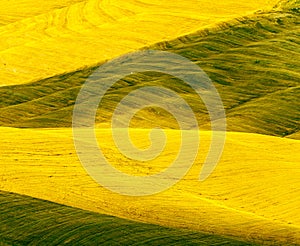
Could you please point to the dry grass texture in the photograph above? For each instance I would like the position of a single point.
(253, 193)
(85, 33)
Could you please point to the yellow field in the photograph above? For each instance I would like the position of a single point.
(15, 10)
(253, 193)
(44, 39)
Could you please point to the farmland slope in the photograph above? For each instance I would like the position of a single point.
(89, 32)
(251, 61)
(253, 194)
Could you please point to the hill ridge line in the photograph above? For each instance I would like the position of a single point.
(218, 26)
(83, 27)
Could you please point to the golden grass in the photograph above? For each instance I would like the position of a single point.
(253, 193)
(15, 10)
(58, 39)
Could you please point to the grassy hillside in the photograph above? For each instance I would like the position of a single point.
(252, 62)
(28, 221)
(253, 193)
(64, 39)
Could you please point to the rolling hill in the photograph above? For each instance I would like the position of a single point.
(252, 194)
(85, 33)
(250, 60)
(250, 51)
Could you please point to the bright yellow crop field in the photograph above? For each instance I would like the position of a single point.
(39, 40)
(15, 10)
(253, 193)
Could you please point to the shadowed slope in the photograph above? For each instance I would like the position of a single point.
(25, 220)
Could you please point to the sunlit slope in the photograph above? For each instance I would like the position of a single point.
(25, 220)
(288, 4)
(89, 32)
(252, 62)
(253, 194)
(15, 10)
